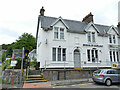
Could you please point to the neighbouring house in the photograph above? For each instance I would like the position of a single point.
(17, 53)
(63, 43)
(32, 55)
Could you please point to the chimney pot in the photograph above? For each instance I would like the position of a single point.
(42, 10)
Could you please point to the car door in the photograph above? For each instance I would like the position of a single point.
(118, 72)
(115, 73)
(112, 75)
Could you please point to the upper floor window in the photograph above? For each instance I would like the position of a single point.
(91, 36)
(58, 33)
(61, 33)
(112, 39)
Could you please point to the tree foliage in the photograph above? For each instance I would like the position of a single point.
(25, 40)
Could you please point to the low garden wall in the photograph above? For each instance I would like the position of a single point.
(68, 74)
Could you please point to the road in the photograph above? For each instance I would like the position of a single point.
(88, 85)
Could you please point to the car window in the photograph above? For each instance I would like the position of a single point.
(111, 72)
(118, 71)
(97, 72)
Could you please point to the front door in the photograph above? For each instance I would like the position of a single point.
(77, 61)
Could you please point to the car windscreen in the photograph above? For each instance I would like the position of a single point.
(97, 72)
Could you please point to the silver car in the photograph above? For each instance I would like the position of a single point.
(107, 76)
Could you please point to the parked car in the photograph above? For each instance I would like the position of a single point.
(106, 76)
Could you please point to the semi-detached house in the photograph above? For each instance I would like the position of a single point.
(63, 43)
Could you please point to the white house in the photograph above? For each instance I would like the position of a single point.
(63, 43)
(32, 55)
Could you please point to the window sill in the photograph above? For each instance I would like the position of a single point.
(92, 42)
(93, 62)
(59, 40)
(58, 62)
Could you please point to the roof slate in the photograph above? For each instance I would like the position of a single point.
(74, 26)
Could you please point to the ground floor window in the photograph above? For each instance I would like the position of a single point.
(92, 55)
(58, 54)
(114, 55)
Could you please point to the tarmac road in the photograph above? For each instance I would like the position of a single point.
(88, 85)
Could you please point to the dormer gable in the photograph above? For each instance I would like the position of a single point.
(60, 19)
(112, 30)
(91, 25)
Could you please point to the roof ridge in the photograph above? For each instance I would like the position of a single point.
(102, 25)
(63, 19)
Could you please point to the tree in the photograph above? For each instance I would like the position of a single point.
(27, 41)
(3, 56)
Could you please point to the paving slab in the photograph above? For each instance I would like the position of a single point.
(36, 85)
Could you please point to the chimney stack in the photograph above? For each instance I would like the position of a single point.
(88, 18)
(118, 26)
(42, 10)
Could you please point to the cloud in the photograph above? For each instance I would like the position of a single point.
(19, 16)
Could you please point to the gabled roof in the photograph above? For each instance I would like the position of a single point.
(72, 25)
(59, 19)
(112, 27)
(91, 24)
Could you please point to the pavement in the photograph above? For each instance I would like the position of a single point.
(49, 84)
(56, 83)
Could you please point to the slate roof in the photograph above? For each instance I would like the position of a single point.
(74, 26)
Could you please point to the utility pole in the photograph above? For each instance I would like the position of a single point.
(22, 66)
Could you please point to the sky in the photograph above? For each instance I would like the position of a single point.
(20, 16)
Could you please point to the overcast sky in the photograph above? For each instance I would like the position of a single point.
(19, 16)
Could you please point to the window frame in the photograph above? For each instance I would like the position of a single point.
(91, 37)
(60, 56)
(60, 35)
(93, 57)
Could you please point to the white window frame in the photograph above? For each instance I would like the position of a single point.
(61, 54)
(91, 36)
(94, 55)
(112, 38)
(59, 33)
(116, 59)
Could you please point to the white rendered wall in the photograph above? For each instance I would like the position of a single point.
(71, 42)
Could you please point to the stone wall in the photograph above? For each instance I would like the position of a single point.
(7, 76)
(67, 74)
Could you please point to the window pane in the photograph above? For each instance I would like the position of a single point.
(56, 32)
(64, 54)
(54, 54)
(110, 39)
(93, 37)
(111, 56)
(89, 37)
(93, 58)
(114, 39)
(114, 55)
(88, 53)
(96, 55)
(61, 33)
(59, 54)
(117, 56)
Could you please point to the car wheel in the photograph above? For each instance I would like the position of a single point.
(108, 82)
